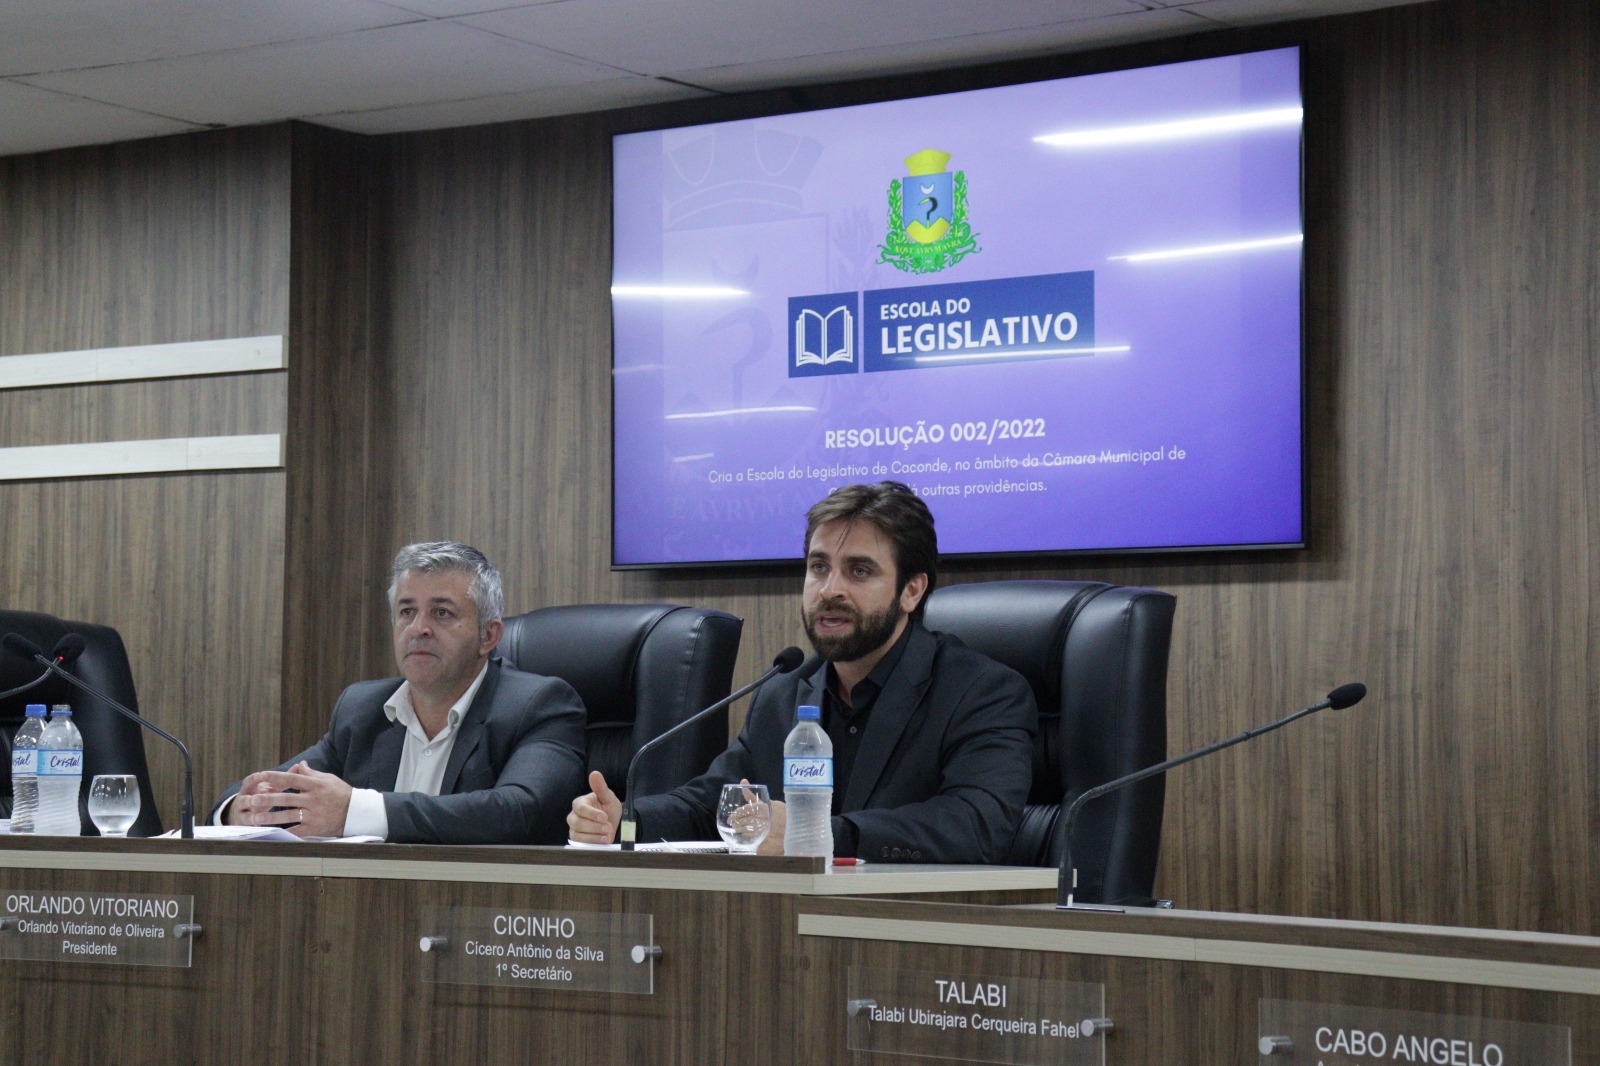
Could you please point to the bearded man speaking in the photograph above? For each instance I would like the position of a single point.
(932, 742)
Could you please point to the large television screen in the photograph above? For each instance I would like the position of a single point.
(1067, 313)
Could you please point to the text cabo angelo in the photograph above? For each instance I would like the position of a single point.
(1437, 1050)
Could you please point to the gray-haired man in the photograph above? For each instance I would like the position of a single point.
(461, 750)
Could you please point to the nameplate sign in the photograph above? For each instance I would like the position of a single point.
(574, 950)
(968, 1017)
(1337, 1034)
(113, 928)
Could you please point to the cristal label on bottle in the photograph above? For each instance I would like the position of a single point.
(60, 763)
(807, 772)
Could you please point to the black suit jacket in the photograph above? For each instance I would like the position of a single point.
(942, 773)
(515, 766)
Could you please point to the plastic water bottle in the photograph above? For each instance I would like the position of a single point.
(808, 787)
(25, 770)
(60, 776)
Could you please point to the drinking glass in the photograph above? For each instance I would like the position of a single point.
(744, 817)
(113, 803)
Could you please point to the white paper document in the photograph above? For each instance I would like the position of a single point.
(686, 847)
(265, 832)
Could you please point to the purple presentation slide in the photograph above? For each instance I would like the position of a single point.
(1067, 313)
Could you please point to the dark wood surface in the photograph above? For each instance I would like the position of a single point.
(334, 565)
(225, 405)
(1453, 393)
(150, 242)
(1174, 1010)
(255, 985)
(189, 569)
(155, 242)
(1453, 225)
(326, 969)
(1450, 942)
(381, 1010)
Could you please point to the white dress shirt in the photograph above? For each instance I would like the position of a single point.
(422, 761)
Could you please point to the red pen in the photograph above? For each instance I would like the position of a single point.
(849, 862)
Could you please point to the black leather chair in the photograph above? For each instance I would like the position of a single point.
(641, 669)
(111, 743)
(1096, 657)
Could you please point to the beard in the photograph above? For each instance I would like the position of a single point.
(867, 634)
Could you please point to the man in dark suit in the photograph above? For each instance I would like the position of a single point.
(460, 750)
(932, 742)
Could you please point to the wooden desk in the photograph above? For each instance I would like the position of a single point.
(1183, 986)
(310, 953)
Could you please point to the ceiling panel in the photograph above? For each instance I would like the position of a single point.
(451, 8)
(37, 120)
(122, 69)
(412, 64)
(929, 55)
(560, 100)
(650, 38)
(1258, 12)
(45, 35)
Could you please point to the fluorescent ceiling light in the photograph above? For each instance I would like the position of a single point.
(1166, 131)
(1213, 249)
(676, 292)
(730, 412)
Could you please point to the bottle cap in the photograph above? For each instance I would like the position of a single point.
(61, 708)
(35, 710)
(809, 712)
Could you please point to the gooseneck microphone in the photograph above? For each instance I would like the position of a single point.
(787, 661)
(1340, 698)
(69, 648)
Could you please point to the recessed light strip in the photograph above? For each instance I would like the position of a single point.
(1211, 125)
(676, 292)
(1022, 354)
(1213, 249)
(733, 411)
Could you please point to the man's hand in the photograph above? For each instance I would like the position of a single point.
(317, 806)
(773, 845)
(595, 816)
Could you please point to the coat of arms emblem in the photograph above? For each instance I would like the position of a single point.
(928, 228)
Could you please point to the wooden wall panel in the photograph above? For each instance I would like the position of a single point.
(230, 1004)
(189, 569)
(145, 410)
(150, 242)
(1452, 230)
(175, 239)
(334, 576)
(445, 298)
(1178, 1009)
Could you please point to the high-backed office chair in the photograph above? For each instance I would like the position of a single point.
(111, 743)
(1096, 657)
(640, 669)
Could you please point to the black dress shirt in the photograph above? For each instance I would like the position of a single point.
(845, 722)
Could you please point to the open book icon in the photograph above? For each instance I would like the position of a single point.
(823, 339)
